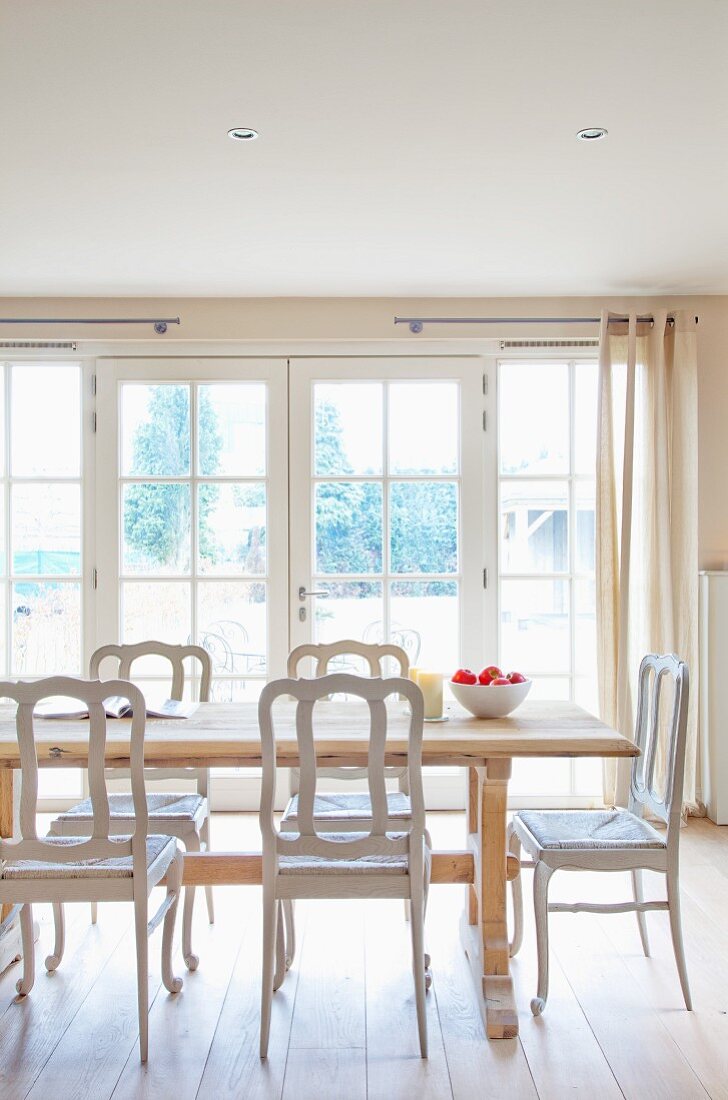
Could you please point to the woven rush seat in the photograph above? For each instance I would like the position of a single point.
(183, 807)
(163, 847)
(590, 829)
(321, 865)
(343, 806)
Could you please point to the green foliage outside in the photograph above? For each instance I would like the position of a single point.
(423, 520)
(349, 538)
(157, 516)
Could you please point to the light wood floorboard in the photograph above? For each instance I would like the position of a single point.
(344, 1024)
(395, 1070)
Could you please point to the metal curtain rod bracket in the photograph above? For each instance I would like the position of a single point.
(416, 324)
(160, 326)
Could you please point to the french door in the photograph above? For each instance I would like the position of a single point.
(192, 521)
(205, 480)
(387, 512)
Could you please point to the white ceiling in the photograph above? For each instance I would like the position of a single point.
(408, 147)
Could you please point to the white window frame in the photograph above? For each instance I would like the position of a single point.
(572, 798)
(87, 477)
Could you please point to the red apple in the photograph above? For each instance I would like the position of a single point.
(489, 674)
(516, 678)
(500, 680)
(464, 676)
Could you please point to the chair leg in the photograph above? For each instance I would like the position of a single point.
(192, 844)
(514, 847)
(25, 984)
(205, 838)
(270, 923)
(94, 912)
(673, 901)
(417, 921)
(142, 954)
(639, 896)
(174, 887)
(541, 877)
(289, 919)
(281, 957)
(59, 921)
(426, 894)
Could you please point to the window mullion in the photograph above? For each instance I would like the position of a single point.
(572, 557)
(386, 540)
(194, 484)
(8, 625)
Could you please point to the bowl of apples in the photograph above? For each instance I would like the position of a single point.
(490, 694)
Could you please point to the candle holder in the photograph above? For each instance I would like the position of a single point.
(430, 684)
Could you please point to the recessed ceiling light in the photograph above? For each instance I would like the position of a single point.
(591, 133)
(242, 133)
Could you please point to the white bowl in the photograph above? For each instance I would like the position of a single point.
(491, 700)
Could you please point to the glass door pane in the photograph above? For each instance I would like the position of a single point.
(377, 525)
(194, 496)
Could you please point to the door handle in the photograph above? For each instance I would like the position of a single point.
(302, 593)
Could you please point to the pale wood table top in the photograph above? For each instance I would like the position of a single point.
(226, 735)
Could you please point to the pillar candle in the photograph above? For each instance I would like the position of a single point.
(431, 685)
(413, 674)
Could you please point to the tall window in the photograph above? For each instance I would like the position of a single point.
(41, 562)
(547, 430)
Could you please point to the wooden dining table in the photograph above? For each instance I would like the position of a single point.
(225, 735)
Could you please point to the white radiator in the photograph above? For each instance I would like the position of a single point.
(714, 693)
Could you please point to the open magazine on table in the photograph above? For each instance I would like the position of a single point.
(116, 707)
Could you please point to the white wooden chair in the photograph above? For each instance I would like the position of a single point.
(347, 811)
(616, 839)
(385, 858)
(183, 815)
(407, 637)
(60, 869)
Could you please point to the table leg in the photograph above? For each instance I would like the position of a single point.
(500, 1006)
(473, 817)
(10, 942)
(487, 944)
(6, 816)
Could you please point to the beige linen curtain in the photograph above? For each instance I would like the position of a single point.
(646, 518)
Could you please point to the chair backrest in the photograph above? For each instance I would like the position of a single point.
(323, 653)
(125, 655)
(374, 654)
(308, 842)
(405, 636)
(410, 641)
(661, 739)
(175, 654)
(92, 694)
(221, 654)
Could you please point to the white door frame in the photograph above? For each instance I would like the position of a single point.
(478, 633)
(239, 789)
(476, 535)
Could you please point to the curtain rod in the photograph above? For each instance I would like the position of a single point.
(160, 326)
(416, 324)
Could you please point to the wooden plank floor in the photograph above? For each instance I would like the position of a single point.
(344, 1023)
